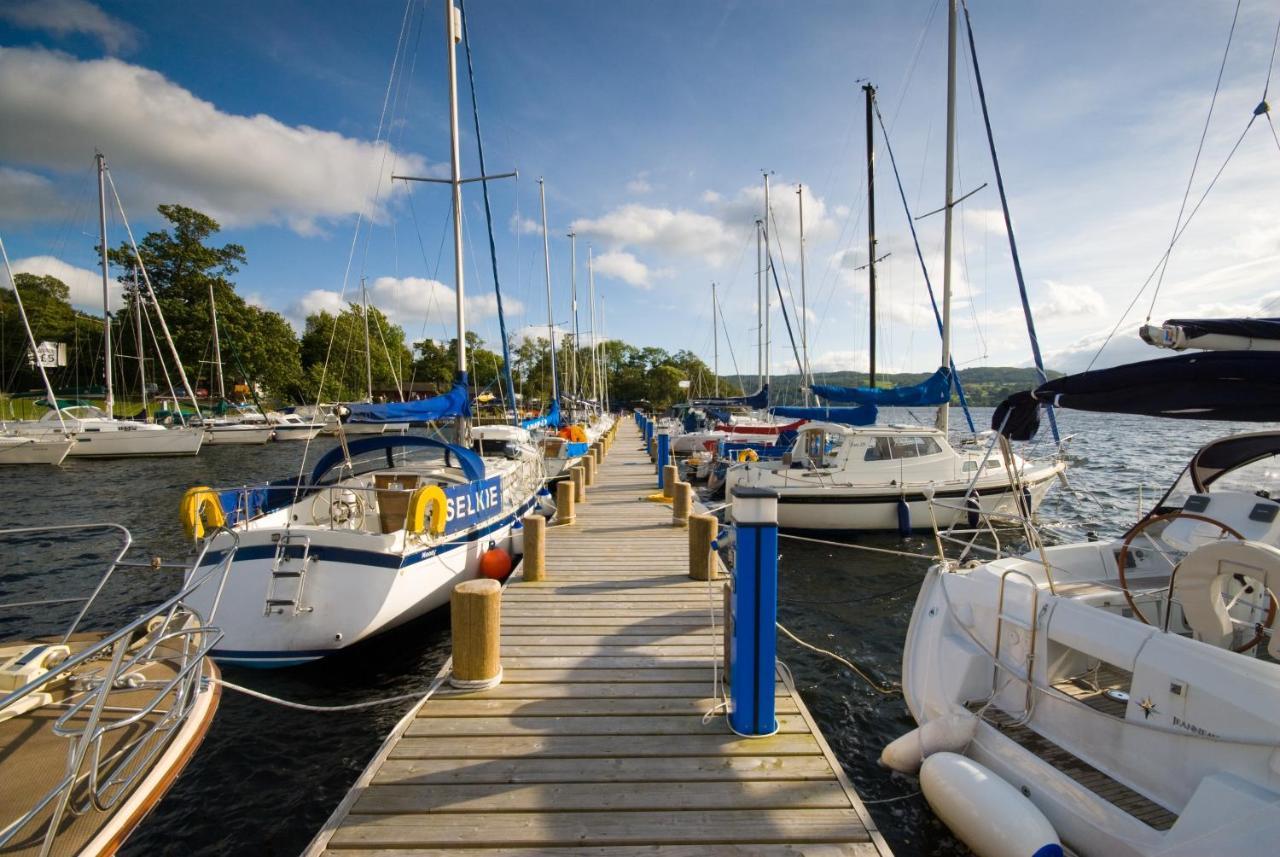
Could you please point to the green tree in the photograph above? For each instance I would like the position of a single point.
(338, 342)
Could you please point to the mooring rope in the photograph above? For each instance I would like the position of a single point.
(332, 709)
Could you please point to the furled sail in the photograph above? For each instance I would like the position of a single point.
(1240, 386)
(455, 403)
(758, 399)
(934, 390)
(551, 419)
(861, 415)
(1215, 334)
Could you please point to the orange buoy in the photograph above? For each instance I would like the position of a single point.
(495, 563)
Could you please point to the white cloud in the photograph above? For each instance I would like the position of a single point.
(623, 266)
(27, 196)
(414, 303)
(525, 225)
(242, 170)
(84, 285)
(679, 232)
(710, 197)
(64, 17)
(1062, 299)
(639, 184)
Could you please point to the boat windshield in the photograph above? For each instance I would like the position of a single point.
(1247, 462)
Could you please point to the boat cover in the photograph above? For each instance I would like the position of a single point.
(758, 399)
(472, 465)
(1222, 456)
(1240, 386)
(934, 390)
(860, 415)
(1252, 328)
(551, 419)
(455, 403)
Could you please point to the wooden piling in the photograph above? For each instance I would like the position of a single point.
(565, 492)
(653, 449)
(475, 613)
(670, 475)
(681, 503)
(578, 476)
(702, 532)
(588, 470)
(535, 548)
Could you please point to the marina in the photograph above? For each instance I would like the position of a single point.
(605, 728)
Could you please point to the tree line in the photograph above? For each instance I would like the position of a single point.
(261, 352)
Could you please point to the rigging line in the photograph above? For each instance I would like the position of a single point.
(915, 239)
(488, 213)
(1271, 65)
(1272, 126)
(1195, 164)
(1186, 224)
(365, 213)
(1008, 221)
(782, 303)
(732, 357)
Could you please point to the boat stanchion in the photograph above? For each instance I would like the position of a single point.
(475, 614)
(565, 492)
(534, 565)
(578, 477)
(702, 561)
(754, 617)
(667, 478)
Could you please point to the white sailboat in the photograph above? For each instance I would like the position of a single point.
(1128, 688)
(96, 431)
(383, 528)
(358, 426)
(842, 473)
(239, 429)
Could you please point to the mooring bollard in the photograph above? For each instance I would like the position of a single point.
(578, 476)
(565, 492)
(667, 478)
(702, 532)
(681, 503)
(534, 565)
(653, 449)
(588, 470)
(753, 660)
(475, 613)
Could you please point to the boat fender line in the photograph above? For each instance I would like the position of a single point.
(950, 733)
(427, 496)
(904, 517)
(745, 455)
(200, 510)
(988, 814)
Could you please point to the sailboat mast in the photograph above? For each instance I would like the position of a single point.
(368, 343)
(804, 306)
(943, 409)
(715, 341)
(768, 294)
(106, 289)
(137, 332)
(217, 346)
(870, 92)
(759, 307)
(551, 322)
(591, 291)
(453, 34)
(575, 387)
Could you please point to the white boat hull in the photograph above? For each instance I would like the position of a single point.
(128, 442)
(285, 431)
(26, 450)
(354, 429)
(238, 434)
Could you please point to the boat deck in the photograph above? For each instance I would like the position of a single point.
(604, 737)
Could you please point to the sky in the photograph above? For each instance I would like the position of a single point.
(653, 125)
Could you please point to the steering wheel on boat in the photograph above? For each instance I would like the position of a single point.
(1141, 527)
(346, 508)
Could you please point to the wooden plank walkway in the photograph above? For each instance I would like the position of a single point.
(597, 741)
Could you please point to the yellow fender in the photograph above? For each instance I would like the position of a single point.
(748, 455)
(200, 510)
(428, 496)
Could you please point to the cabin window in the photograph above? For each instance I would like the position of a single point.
(914, 447)
(880, 450)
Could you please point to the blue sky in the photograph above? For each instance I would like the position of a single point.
(651, 123)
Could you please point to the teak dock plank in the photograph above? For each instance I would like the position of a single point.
(597, 742)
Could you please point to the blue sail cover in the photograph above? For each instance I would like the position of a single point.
(758, 399)
(551, 419)
(455, 403)
(934, 390)
(862, 415)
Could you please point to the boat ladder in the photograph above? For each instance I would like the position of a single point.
(1024, 672)
(288, 571)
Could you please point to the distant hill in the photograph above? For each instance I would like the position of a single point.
(983, 385)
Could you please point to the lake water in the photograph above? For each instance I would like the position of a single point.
(266, 777)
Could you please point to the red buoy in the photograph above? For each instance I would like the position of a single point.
(495, 563)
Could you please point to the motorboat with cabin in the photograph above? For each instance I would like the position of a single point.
(95, 725)
(1127, 689)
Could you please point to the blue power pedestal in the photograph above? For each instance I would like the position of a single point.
(754, 606)
(648, 433)
(664, 453)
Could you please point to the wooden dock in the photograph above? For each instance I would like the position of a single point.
(598, 740)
